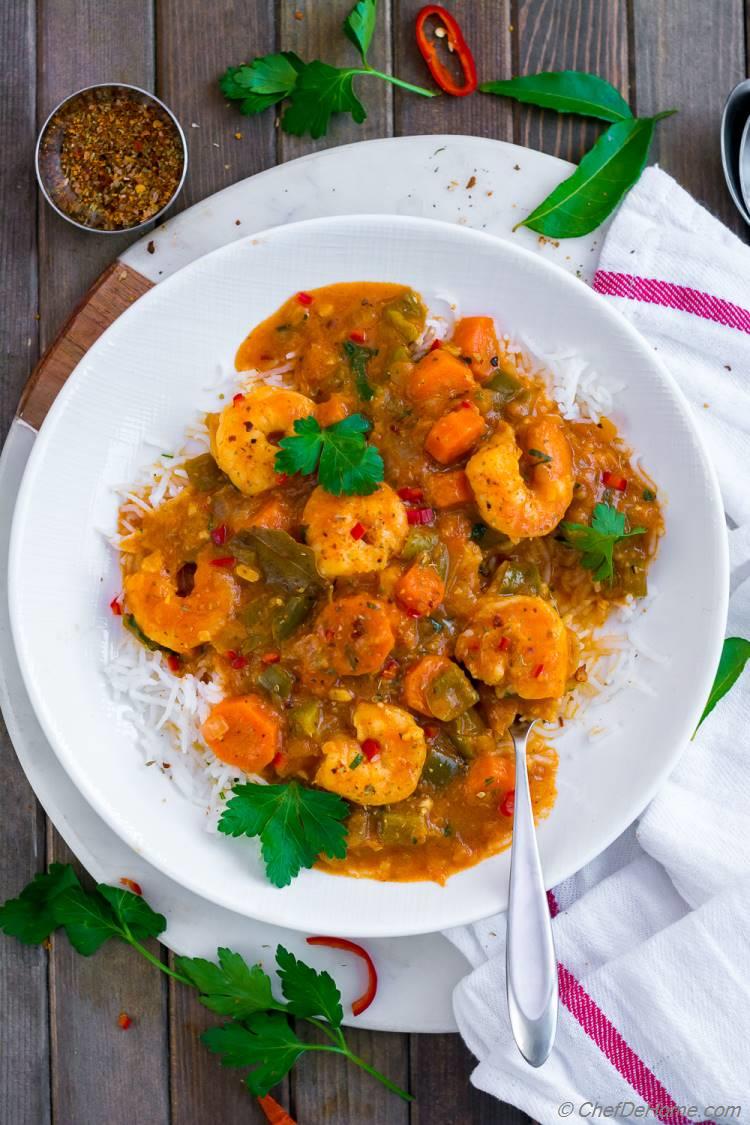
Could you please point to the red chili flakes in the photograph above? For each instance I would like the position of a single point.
(536, 673)
(124, 1021)
(390, 669)
(225, 560)
(508, 803)
(614, 480)
(116, 607)
(435, 345)
(238, 662)
(220, 534)
(420, 515)
(131, 885)
(358, 530)
(174, 663)
(277, 760)
(431, 732)
(466, 405)
(370, 748)
(282, 478)
(237, 399)
(305, 299)
(411, 493)
(504, 644)
(270, 658)
(357, 337)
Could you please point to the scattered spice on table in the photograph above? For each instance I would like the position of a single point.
(111, 160)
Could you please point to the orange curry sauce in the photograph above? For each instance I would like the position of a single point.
(446, 602)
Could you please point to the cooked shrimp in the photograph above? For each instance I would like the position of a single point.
(245, 442)
(176, 621)
(354, 534)
(506, 501)
(382, 764)
(356, 634)
(518, 644)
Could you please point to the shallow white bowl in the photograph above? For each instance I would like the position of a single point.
(147, 376)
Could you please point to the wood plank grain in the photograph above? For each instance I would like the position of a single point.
(327, 1088)
(24, 1028)
(578, 35)
(203, 1092)
(102, 1073)
(314, 32)
(195, 43)
(440, 1069)
(689, 55)
(82, 42)
(487, 30)
(117, 288)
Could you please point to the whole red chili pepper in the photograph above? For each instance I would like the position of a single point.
(456, 44)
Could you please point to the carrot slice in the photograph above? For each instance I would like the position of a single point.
(438, 378)
(334, 409)
(477, 339)
(448, 490)
(418, 679)
(243, 731)
(419, 590)
(490, 773)
(455, 434)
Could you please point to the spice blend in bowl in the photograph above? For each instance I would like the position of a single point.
(111, 158)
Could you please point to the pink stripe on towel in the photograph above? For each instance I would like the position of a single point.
(652, 291)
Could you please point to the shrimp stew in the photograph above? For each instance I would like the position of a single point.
(395, 545)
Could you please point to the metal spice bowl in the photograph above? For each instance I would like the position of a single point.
(53, 182)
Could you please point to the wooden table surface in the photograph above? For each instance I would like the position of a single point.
(63, 1057)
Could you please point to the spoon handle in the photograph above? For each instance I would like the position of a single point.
(531, 965)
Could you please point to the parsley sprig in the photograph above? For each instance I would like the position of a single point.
(358, 356)
(295, 825)
(258, 1036)
(346, 464)
(316, 90)
(597, 541)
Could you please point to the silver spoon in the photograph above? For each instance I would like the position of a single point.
(733, 120)
(530, 962)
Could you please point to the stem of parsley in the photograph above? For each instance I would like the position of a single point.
(397, 82)
(155, 960)
(341, 1047)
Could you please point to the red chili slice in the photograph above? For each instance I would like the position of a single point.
(367, 997)
(420, 515)
(370, 748)
(456, 44)
(410, 493)
(220, 534)
(305, 298)
(357, 337)
(131, 885)
(236, 659)
(614, 480)
(358, 531)
(116, 607)
(225, 560)
(508, 803)
(124, 1021)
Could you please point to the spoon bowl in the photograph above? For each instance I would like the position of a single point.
(733, 128)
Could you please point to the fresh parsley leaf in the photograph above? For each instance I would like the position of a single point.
(734, 656)
(133, 913)
(359, 25)
(295, 825)
(320, 91)
(231, 988)
(32, 917)
(358, 355)
(346, 463)
(308, 992)
(262, 83)
(264, 1043)
(88, 920)
(596, 543)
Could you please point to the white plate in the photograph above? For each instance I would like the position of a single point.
(145, 376)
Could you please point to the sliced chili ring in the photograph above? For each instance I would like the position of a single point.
(363, 1002)
(428, 46)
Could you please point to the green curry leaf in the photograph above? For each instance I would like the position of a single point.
(734, 656)
(566, 91)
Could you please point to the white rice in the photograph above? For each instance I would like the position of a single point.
(167, 711)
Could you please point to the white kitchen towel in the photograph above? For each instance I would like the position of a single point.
(653, 937)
